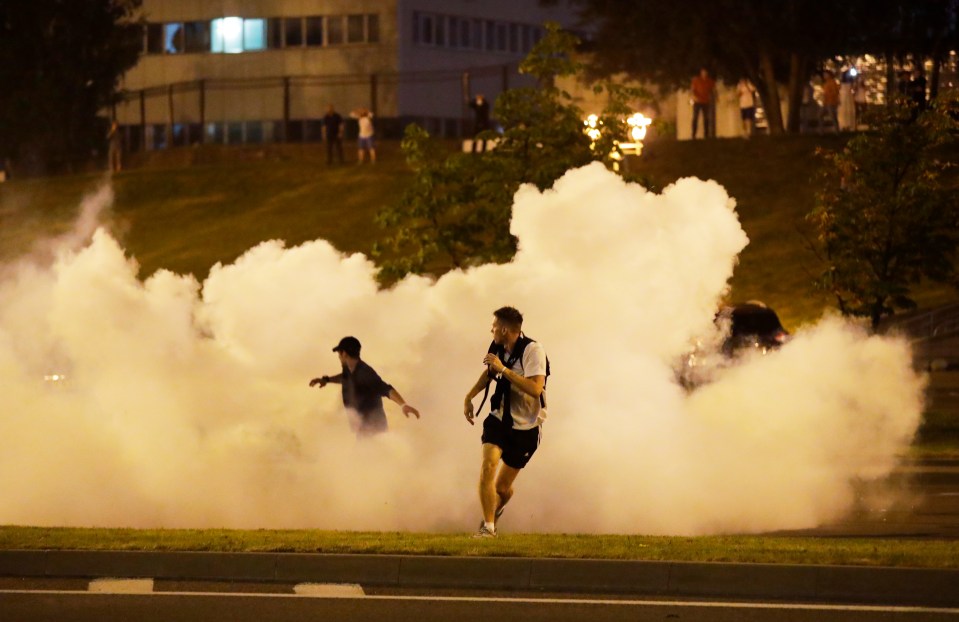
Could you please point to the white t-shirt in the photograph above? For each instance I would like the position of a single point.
(366, 125)
(524, 408)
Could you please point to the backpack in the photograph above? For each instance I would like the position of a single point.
(501, 393)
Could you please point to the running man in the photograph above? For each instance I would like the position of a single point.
(363, 390)
(512, 431)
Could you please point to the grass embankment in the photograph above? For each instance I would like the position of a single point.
(742, 549)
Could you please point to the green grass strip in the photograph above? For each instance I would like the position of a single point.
(901, 552)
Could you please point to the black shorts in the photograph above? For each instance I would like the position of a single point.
(518, 445)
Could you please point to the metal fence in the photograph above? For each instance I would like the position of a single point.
(289, 109)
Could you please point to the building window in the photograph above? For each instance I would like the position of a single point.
(254, 34)
(426, 29)
(314, 30)
(514, 37)
(196, 36)
(154, 38)
(373, 28)
(490, 36)
(465, 33)
(354, 29)
(334, 29)
(477, 34)
(293, 32)
(274, 33)
(440, 23)
(173, 38)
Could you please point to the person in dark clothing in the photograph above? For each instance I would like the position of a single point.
(363, 389)
(480, 119)
(332, 126)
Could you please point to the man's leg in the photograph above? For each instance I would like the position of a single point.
(489, 499)
(696, 111)
(504, 486)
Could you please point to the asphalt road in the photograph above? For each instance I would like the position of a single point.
(86, 607)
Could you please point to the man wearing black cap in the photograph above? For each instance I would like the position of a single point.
(363, 389)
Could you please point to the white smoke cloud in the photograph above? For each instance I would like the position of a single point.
(186, 404)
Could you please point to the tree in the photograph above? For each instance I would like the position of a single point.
(771, 43)
(60, 61)
(884, 219)
(456, 211)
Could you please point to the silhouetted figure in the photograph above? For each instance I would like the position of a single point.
(704, 91)
(332, 126)
(480, 118)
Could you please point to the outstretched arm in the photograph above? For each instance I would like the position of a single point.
(324, 380)
(407, 409)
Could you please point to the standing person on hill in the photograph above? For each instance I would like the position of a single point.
(114, 148)
(332, 126)
(365, 141)
(512, 431)
(363, 390)
(830, 99)
(480, 119)
(747, 105)
(704, 91)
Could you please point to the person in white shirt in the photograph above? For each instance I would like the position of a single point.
(365, 142)
(513, 430)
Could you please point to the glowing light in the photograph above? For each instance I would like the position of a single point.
(637, 124)
(852, 72)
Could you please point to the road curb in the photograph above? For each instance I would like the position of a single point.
(780, 582)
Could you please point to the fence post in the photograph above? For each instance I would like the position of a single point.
(286, 109)
(464, 120)
(202, 103)
(169, 125)
(143, 119)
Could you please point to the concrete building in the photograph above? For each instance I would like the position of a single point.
(240, 71)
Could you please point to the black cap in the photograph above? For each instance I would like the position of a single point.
(349, 345)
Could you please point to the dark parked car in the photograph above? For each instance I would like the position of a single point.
(746, 326)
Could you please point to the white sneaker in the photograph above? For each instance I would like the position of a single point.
(485, 532)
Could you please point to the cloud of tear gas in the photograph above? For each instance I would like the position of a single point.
(186, 403)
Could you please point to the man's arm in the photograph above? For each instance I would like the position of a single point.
(407, 409)
(532, 385)
(324, 380)
(468, 404)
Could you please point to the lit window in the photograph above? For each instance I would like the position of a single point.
(227, 35)
(254, 34)
(173, 38)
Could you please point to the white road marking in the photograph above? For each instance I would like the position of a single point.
(121, 586)
(329, 590)
(577, 601)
